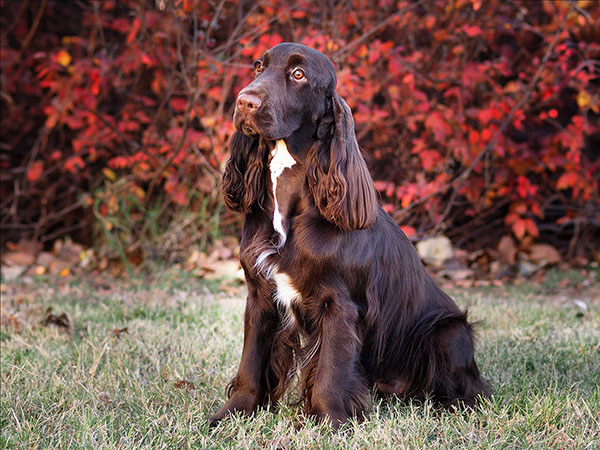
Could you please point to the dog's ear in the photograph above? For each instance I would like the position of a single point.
(243, 181)
(337, 173)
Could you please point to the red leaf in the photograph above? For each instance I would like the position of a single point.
(531, 227)
(438, 125)
(471, 31)
(35, 171)
(567, 180)
(408, 230)
(95, 76)
(74, 163)
(171, 185)
(180, 196)
(406, 199)
(381, 185)
(146, 60)
(134, 30)
(519, 228)
(485, 115)
(77, 145)
(121, 25)
(524, 187)
(178, 104)
(473, 137)
(429, 158)
(118, 162)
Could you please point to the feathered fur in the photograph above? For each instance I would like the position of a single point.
(359, 310)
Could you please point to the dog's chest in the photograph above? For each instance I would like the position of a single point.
(283, 176)
(285, 292)
(280, 167)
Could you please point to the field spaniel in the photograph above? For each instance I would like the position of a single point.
(336, 292)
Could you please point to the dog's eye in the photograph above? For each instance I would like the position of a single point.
(298, 74)
(258, 67)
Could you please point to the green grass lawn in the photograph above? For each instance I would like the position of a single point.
(145, 363)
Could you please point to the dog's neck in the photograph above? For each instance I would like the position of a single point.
(286, 171)
(301, 140)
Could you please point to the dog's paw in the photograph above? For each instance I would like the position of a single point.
(245, 403)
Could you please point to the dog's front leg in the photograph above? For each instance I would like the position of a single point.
(340, 390)
(248, 389)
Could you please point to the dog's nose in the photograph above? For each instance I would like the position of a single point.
(248, 103)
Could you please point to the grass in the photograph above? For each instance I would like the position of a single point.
(144, 365)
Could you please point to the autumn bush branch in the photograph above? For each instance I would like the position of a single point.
(478, 119)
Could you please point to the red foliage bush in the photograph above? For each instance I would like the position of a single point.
(476, 117)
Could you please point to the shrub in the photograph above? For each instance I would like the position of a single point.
(477, 118)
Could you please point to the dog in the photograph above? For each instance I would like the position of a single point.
(336, 292)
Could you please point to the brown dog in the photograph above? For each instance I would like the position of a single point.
(335, 289)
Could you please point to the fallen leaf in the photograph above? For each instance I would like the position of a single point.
(544, 254)
(455, 269)
(45, 258)
(507, 251)
(119, 331)
(184, 384)
(9, 320)
(60, 320)
(105, 399)
(68, 251)
(224, 249)
(459, 274)
(196, 259)
(18, 258)
(222, 269)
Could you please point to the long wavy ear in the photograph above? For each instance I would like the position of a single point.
(243, 181)
(337, 173)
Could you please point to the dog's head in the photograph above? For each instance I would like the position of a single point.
(292, 83)
(293, 98)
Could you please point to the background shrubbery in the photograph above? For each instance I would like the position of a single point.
(478, 118)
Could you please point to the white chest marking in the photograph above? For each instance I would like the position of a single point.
(281, 160)
(285, 293)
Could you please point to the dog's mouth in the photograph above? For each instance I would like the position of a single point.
(248, 130)
(249, 126)
(246, 124)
